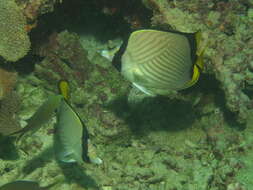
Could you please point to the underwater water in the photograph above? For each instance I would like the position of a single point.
(72, 120)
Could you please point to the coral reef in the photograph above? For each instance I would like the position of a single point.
(188, 141)
(16, 19)
(14, 41)
(228, 25)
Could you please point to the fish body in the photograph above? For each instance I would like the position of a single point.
(158, 62)
(71, 135)
(41, 116)
(72, 142)
(24, 185)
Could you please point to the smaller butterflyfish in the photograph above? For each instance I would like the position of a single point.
(158, 62)
(71, 135)
(72, 142)
(24, 185)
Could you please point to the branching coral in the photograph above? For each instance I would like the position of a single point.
(14, 41)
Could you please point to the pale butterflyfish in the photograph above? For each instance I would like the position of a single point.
(158, 62)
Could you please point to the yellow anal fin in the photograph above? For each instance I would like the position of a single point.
(199, 64)
(195, 76)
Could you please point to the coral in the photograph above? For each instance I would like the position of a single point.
(35, 8)
(7, 82)
(9, 107)
(14, 41)
(9, 103)
(228, 27)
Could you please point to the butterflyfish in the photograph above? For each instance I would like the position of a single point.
(71, 135)
(24, 185)
(158, 62)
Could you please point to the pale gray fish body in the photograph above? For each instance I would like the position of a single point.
(69, 133)
(41, 116)
(22, 185)
(157, 62)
